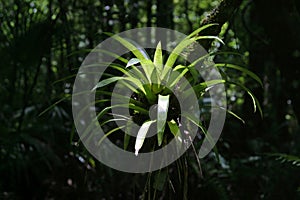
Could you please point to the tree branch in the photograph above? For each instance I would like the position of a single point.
(220, 15)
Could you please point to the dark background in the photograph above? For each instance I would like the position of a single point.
(42, 44)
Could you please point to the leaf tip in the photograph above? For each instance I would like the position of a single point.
(159, 45)
(94, 88)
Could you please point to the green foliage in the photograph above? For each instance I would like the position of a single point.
(294, 160)
(150, 91)
(42, 43)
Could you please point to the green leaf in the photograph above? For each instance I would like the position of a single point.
(175, 78)
(211, 54)
(176, 132)
(126, 140)
(126, 135)
(122, 98)
(156, 86)
(132, 61)
(158, 59)
(229, 112)
(107, 82)
(114, 55)
(179, 48)
(114, 79)
(234, 115)
(129, 46)
(142, 135)
(192, 65)
(129, 86)
(89, 105)
(140, 48)
(148, 68)
(158, 63)
(53, 105)
(110, 132)
(121, 69)
(178, 67)
(125, 105)
(174, 55)
(104, 111)
(137, 73)
(113, 120)
(201, 87)
(64, 79)
(242, 69)
(255, 101)
(194, 121)
(204, 130)
(194, 33)
(174, 128)
(195, 75)
(209, 37)
(146, 63)
(162, 113)
(286, 158)
(176, 52)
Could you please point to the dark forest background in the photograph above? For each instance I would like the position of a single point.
(42, 44)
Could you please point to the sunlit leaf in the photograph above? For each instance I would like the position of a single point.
(209, 38)
(229, 112)
(113, 120)
(162, 113)
(146, 63)
(158, 59)
(255, 101)
(174, 128)
(176, 132)
(139, 47)
(178, 67)
(179, 49)
(125, 105)
(175, 53)
(197, 31)
(114, 79)
(234, 115)
(202, 87)
(53, 105)
(132, 61)
(242, 69)
(142, 135)
(175, 78)
(109, 133)
(107, 82)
